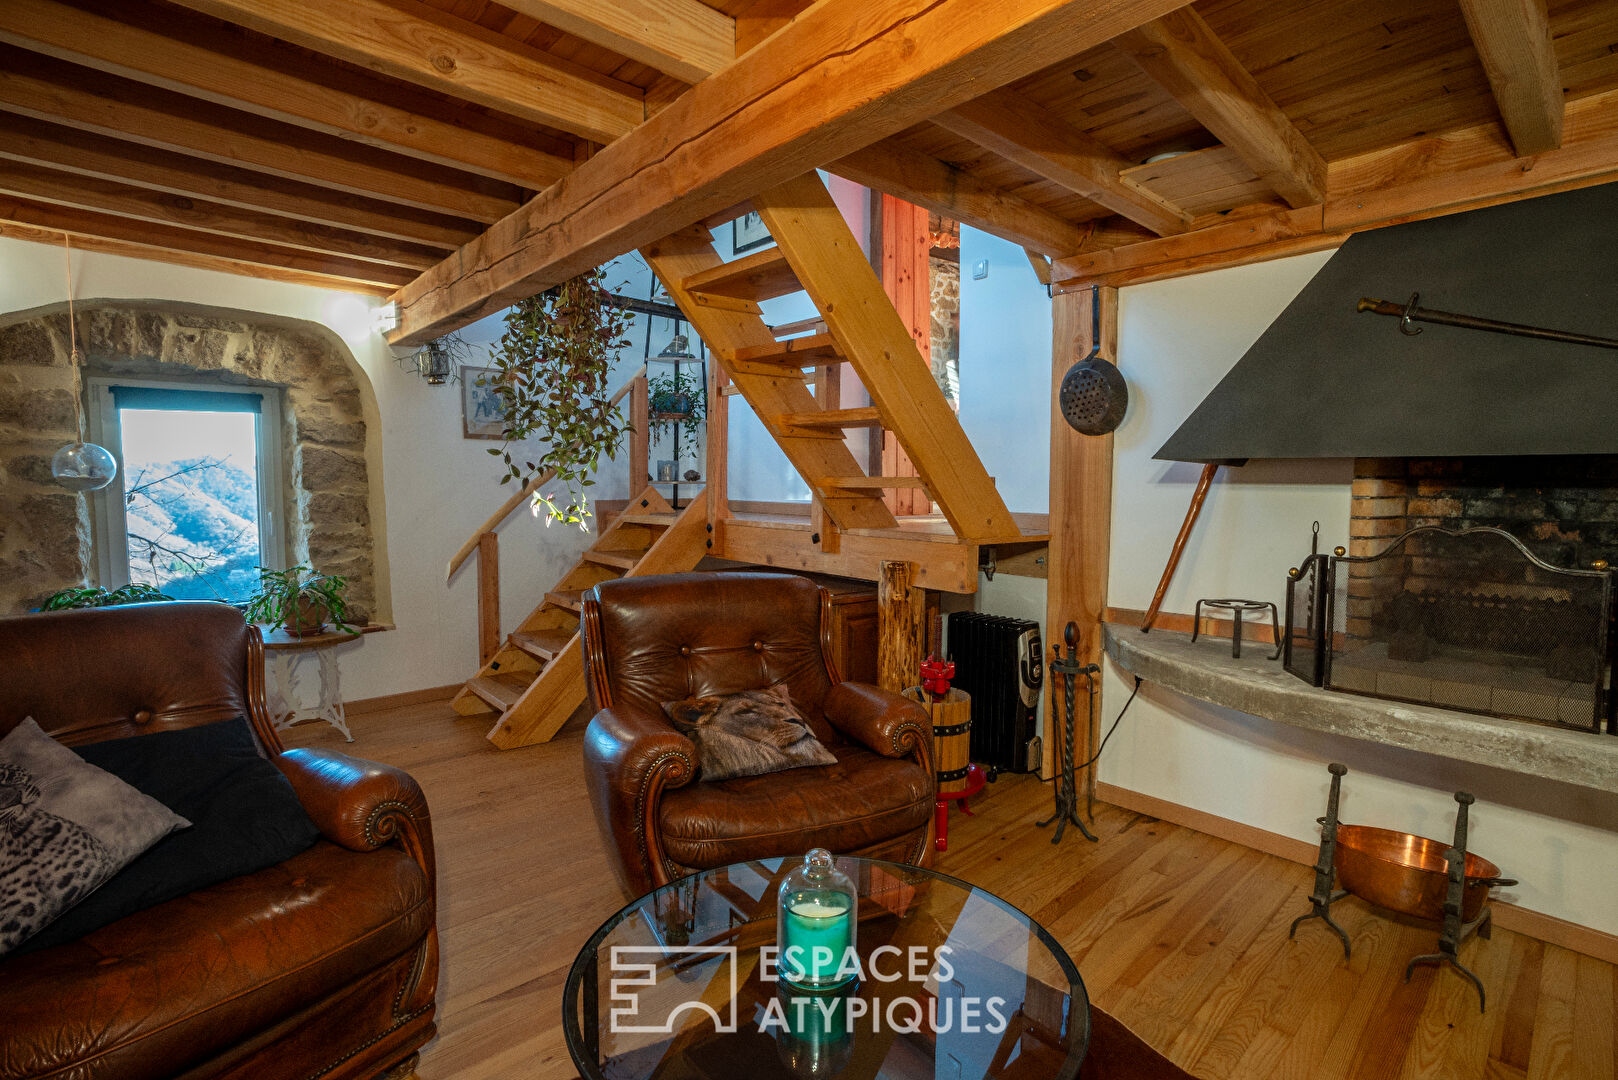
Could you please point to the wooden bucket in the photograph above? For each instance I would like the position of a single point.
(952, 735)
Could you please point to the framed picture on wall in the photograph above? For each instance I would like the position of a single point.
(748, 232)
(481, 414)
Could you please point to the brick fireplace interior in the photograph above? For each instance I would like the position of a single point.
(1471, 624)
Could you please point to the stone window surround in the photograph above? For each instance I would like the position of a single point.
(331, 433)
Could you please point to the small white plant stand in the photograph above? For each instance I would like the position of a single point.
(283, 653)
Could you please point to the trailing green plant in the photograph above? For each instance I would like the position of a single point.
(136, 592)
(550, 372)
(669, 395)
(294, 597)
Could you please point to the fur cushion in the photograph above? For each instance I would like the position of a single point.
(748, 734)
(65, 828)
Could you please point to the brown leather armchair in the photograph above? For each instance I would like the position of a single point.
(650, 640)
(323, 966)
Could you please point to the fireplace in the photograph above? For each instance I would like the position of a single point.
(1478, 584)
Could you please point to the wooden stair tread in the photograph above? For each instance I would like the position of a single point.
(623, 560)
(572, 599)
(816, 325)
(645, 519)
(501, 690)
(796, 353)
(762, 275)
(857, 483)
(543, 644)
(833, 419)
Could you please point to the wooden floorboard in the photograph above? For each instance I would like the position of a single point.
(1180, 935)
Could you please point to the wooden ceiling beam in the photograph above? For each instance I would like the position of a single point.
(409, 40)
(66, 219)
(842, 75)
(84, 153)
(107, 196)
(918, 178)
(1435, 175)
(1020, 131)
(180, 61)
(48, 89)
(1513, 40)
(683, 38)
(1183, 56)
(85, 242)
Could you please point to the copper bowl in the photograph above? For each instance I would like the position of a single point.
(1407, 874)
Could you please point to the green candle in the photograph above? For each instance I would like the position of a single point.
(816, 935)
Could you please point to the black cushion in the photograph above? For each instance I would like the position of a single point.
(245, 817)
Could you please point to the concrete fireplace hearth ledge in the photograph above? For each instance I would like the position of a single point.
(1260, 687)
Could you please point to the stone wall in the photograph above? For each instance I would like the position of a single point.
(45, 537)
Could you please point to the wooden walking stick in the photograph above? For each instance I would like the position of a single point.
(1197, 498)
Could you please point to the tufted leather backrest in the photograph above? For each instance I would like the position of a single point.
(649, 640)
(108, 673)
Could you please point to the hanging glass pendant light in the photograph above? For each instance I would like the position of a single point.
(79, 466)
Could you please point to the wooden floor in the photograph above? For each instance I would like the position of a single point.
(1180, 935)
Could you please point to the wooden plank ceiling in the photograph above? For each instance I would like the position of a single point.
(399, 145)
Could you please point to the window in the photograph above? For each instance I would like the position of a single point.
(196, 507)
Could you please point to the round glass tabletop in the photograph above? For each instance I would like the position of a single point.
(945, 982)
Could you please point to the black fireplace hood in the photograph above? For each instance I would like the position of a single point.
(1327, 381)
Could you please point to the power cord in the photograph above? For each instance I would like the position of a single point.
(1116, 720)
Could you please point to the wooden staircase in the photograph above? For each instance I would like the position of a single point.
(815, 252)
(535, 680)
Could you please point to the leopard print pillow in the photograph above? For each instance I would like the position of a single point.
(65, 828)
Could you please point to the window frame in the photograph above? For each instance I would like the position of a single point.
(109, 527)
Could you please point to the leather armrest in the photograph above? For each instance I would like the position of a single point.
(630, 757)
(887, 723)
(361, 804)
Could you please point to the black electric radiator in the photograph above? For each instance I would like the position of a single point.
(999, 661)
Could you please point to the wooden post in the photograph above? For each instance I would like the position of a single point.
(1081, 514)
(488, 596)
(901, 626)
(716, 462)
(640, 435)
(904, 244)
(828, 395)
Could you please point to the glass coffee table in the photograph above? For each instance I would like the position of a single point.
(953, 983)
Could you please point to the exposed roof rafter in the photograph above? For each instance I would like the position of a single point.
(420, 44)
(189, 67)
(1184, 57)
(1513, 39)
(1010, 125)
(683, 38)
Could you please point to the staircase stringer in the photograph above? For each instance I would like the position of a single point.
(560, 689)
(822, 251)
(737, 327)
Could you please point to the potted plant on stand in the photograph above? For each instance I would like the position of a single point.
(678, 404)
(300, 601)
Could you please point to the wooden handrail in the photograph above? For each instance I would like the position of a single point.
(494, 520)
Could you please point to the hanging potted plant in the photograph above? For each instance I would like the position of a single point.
(299, 600)
(678, 404)
(550, 372)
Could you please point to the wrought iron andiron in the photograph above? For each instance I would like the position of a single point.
(1326, 866)
(1067, 802)
(1455, 932)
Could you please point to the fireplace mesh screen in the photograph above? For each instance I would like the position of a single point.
(1468, 620)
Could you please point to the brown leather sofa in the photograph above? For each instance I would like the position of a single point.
(324, 966)
(650, 640)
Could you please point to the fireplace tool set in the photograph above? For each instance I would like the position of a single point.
(1067, 798)
(1408, 874)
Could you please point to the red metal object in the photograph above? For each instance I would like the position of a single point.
(935, 676)
(976, 778)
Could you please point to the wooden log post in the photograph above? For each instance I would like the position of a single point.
(488, 596)
(640, 434)
(716, 462)
(901, 626)
(1081, 515)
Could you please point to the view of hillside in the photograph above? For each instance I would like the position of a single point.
(193, 527)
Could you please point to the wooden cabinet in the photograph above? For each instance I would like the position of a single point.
(853, 628)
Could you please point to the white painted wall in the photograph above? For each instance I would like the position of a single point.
(1006, 369)
(437, 486)
(1176, 340)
